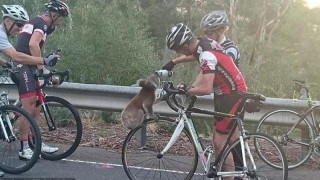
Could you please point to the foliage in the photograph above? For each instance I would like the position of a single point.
(118, 42)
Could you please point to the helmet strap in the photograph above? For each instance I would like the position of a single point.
(8, 31)
(52, 20)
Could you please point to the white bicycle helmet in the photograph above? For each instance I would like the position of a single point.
(214, 20)
(178, 35)
(15, 12)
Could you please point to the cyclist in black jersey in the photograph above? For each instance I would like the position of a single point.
(30, 41)
(14, 18)
(214, 25)
(217, 70)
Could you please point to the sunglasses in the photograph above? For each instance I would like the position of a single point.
(19, 25)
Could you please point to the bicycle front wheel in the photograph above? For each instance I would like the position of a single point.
(141, 156)
(256, 159)
(11, 146)
(297, 144)
(61, 128)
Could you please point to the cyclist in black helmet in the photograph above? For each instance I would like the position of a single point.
(216, 71)
(30, 41)
(214, 26)
(14, 18)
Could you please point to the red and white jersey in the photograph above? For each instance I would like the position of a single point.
(212, 59)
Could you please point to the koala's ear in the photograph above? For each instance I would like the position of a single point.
(141, 82)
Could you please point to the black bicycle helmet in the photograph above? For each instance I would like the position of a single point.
(178, 35)
(58, 7)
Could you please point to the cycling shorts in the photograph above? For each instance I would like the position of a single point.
(231, 104)
(23, 77)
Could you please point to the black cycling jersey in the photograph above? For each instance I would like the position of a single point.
(36, 24)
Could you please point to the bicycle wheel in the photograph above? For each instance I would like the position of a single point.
(258, 169)
(65, 130)
(141, 157)
(297, 145)
(9, 148)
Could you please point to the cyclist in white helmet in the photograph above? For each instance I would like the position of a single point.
(14, 18)
(214, 26)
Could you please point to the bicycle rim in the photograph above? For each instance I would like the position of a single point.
(262, 170)
(297, 144)
(9, 151)
(68, 128)
(141, 159)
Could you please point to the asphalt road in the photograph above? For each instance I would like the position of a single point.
(100, 164)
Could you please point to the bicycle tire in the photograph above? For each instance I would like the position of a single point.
(9, 160)
(296, 153)
(144, 162)
(68, 132)
(272, 150)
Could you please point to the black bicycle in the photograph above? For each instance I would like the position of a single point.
(61, 126)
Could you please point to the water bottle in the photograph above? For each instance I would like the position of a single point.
(164, 73)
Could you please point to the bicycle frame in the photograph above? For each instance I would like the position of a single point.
(184, 119)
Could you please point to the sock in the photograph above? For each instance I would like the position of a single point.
(24, 145)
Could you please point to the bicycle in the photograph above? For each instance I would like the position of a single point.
(10, 118)
(62, 127)
(165, 148)
(297, 133)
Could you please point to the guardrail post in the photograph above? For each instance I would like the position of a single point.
(141, 136)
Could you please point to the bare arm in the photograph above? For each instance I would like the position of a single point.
(21, 57)
(183, 59)
(34, 45)
(203, 85)
(2, 61)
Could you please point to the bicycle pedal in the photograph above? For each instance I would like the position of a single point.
(212, 173)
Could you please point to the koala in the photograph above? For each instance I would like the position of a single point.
(133, 114)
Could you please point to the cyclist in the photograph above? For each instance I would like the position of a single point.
(14, 18)
(214, 26)
(30, 41)
(218, 71)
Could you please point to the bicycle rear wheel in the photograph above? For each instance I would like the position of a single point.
(141, 157)
(297, 145)
(9, 149)
(65, 129)
(269, 151)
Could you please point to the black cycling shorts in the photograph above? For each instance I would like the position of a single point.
(23, 77)
(231, 104)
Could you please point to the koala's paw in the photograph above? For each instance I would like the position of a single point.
(152, 116)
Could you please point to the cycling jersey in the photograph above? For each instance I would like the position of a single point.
(231, 49)
(24, 74)
(213, 59)
(36, 24)
(4, 41)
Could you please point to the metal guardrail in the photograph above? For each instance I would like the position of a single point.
(115, 98)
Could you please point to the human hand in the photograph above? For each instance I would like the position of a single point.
(182, 87)
(7, 65)
(169, 66)
(51, 59)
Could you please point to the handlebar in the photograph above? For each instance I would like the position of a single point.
(63, 76)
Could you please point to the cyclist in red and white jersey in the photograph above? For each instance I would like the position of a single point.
(214, 26)
(217, 70)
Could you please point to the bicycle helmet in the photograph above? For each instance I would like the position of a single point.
(178, 35)
(58, 7)
(214, 20)
(15, 12)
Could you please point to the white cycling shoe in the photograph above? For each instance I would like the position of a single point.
(48, 149)
(26, 154)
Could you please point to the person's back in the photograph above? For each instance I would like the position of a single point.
(228, 77)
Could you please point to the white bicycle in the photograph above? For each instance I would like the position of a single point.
(166, 148)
